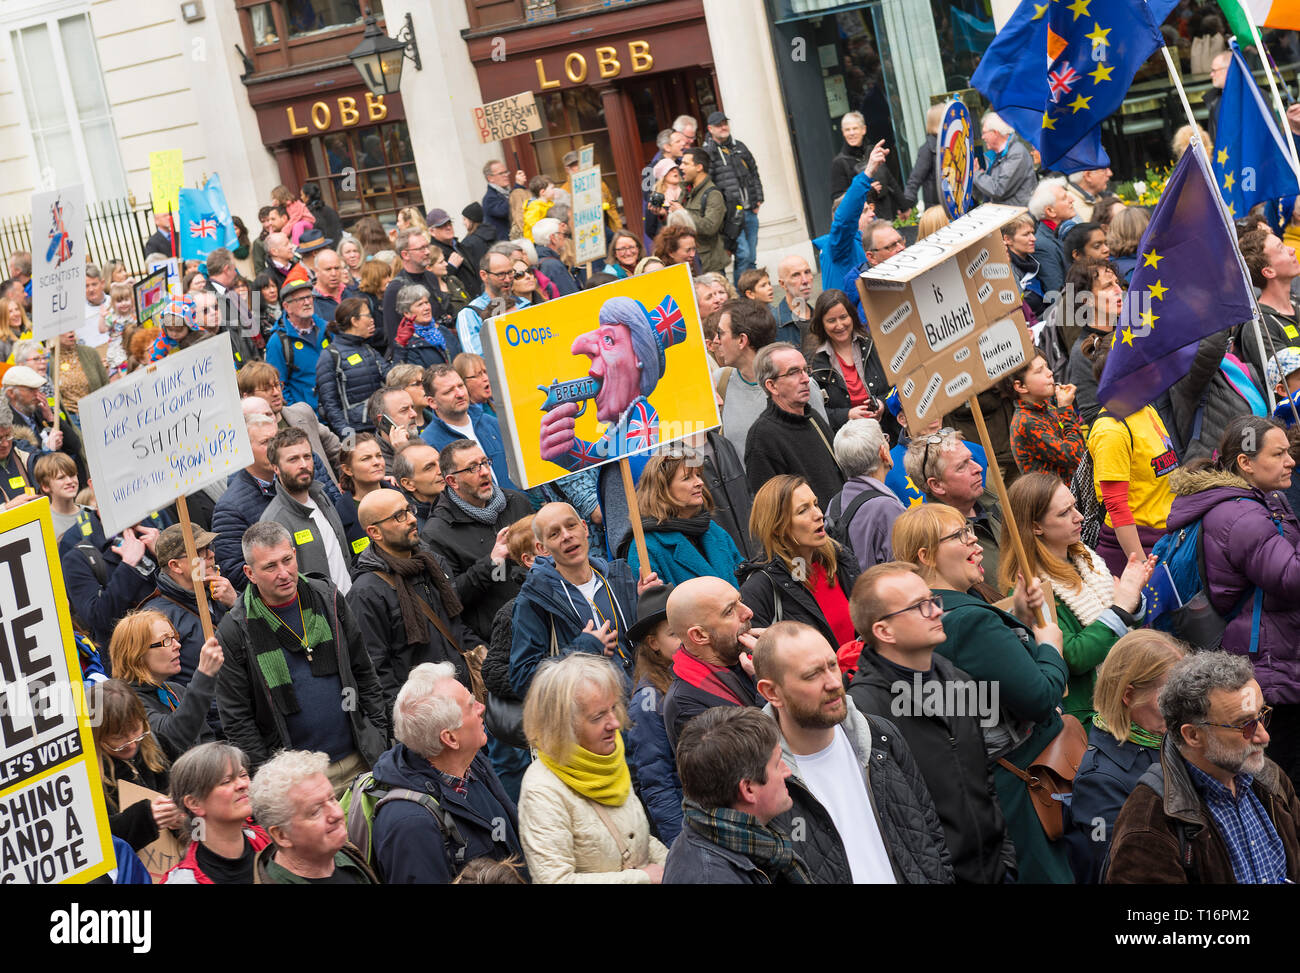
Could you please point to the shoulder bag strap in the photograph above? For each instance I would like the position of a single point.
(429, 613)
(812, 417)
(555, 643)
(624, 850)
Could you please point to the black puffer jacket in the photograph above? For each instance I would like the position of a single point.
(921, 181)
(909, 825)
(496, 666)
(348, 372)
(889, 199)
(949, 752)
(1205, 384)
(828, 375)
(733, 170)
(847, 164)
(761, 581)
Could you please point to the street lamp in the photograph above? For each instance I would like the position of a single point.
(379, 57)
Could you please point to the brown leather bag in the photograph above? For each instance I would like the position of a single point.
(473, 658)
(1052, 772)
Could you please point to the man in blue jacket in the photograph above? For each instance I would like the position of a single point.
(454, 418)
(572, 602)
(496, 201)
(841, 248)
(296, 341)
(456, 810)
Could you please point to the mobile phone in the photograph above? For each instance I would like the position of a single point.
(385, 424)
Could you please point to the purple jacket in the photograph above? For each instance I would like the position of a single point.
(1244, 549)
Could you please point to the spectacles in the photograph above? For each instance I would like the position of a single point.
(934, 439)
(896, 245)
(966, 535)
(483, 464)
(1248, 728)
(128, 744)
(398, 516)
(625, 249)
(273, 387)
(500, 274)
(928, 607)
(521, 274)
(416, 249)
(803, 370)
(167, 642)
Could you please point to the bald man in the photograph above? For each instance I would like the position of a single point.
(712, 668)
(399, 586)
(794, 312)
(572, 601)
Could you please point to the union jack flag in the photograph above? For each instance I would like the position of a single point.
(60, 241)
(203, 229)
(1062, 81)
(637, 429)
(668, 322)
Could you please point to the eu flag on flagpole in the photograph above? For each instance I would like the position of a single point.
(1251, 163)
(1189, 283)
(1056, 71)
(205, 223)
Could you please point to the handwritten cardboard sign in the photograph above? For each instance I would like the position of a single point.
(166, 172)
(163, 432)
(58, 261)
(588, 216)
(508, 117)
(167, 850)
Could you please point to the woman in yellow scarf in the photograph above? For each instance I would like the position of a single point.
(578, 818)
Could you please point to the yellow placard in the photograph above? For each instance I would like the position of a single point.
(48, 765)
(165, 178)
(600, 374)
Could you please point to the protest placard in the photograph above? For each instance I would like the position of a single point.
(503, 119)
(635, 347)
(956, 169)
(58, 261)
(945, 313)
(586, 156)
(53, 821)
(150, 295)
(165, 431)
(166, 172)
(588, 216)
(161, 854)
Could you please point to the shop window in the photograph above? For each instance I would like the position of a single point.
(366, 171)
(263, 21)
(306, 17)
(571, 119)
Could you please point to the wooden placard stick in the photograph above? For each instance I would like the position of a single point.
(634, 514)
(196, 568)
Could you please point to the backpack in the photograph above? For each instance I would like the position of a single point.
(733, 223)
(364, 799)
(837, 522)
(1177, 599)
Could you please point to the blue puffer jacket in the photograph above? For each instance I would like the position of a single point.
(675, 558)
(347, 373)
(408, 845)
(651, 758)
(542, 602)
(237, 510)
(299, 378)
(488, 432)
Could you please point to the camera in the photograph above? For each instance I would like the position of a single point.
(657, 200)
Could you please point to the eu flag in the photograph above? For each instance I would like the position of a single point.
(1056, 70)
(204, 221)
(1188, 284)
(1251, 163)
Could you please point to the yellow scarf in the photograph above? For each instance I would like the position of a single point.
(605, 780)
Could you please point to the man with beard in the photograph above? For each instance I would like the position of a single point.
(1214, 809)
(712, 668)
(403, 602)
(835, 753)
(627, 361)
(301, 506)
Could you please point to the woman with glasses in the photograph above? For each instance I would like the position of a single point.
(127, 751)
(681, 537)
(802, 575)
(627, 252)
(1093, 607)
(364, 472)
(146, 653)
(846, 365)
(349, 370)
(473, 370)
(1123, 742)
(422, 340)
(1013, 651)
(1251, 542)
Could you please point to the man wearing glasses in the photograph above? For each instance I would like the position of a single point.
(496, 201)
(549, 237)
(496, 271)
(937, 708)
(942, 466)
(405, 606)
(413, 247)
(1215, 809)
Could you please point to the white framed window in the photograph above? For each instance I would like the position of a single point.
(56, 64)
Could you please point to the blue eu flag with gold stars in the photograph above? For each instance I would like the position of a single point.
(1251, 163)
(1058, 68)
(1189, 283)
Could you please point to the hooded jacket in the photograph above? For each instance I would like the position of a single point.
(348, 372)
(763, 582)
(99, 605)
(549, 263)
(182, 610)
(543, 608)
(653, 762)
(900, 802)
(239, 508)
(1108, 773)
(708, 206)
(187, 871)
(373, 602)
(949, 752)
(465, 546)
(733, 169)
(1144, 847)
(487, 430)
(305, 531)
(299, 378)
(1251, 541)
(408, 844)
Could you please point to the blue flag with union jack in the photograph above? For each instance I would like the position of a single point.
(1092, 49)
(204, 221)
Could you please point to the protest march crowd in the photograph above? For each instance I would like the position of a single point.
(846, 660)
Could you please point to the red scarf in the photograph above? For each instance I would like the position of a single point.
(703, 675)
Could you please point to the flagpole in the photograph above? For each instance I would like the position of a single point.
(1272, 86)
(1223, 213)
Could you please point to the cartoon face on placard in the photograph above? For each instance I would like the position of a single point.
(600, 375)
(956, 169)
